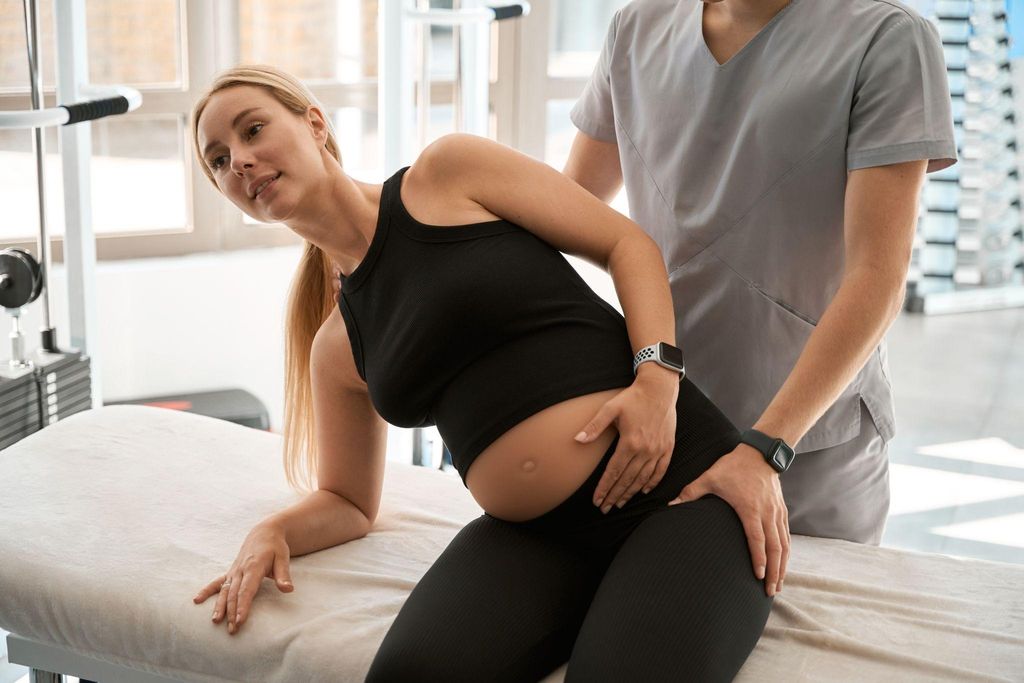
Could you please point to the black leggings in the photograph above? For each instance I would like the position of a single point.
(645, 593)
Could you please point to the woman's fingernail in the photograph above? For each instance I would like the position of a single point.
(581, 436)
(647, 490)
(779, 587)
(760, 572)
(620, 504)
(605, 509)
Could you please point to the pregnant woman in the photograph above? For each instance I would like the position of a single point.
(457, 309)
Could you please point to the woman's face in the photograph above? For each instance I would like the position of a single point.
(244, 148)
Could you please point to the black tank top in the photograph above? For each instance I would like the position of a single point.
(474, 328)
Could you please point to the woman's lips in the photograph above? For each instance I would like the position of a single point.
(263, 193)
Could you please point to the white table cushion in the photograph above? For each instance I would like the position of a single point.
(112, 519)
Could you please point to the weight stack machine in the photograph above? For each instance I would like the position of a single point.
(48, 384)
(969, 251)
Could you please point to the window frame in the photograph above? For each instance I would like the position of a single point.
(519, 91)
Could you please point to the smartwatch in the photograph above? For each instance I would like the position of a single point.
(777, 452)
(663, 354)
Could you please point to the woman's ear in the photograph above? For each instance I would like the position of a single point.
(316, 120)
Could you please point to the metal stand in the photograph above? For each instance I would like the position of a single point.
(470, 21)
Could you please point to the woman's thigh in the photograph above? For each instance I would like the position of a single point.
(679, 601)
(501, 603)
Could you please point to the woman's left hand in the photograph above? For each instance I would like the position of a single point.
(645, 416)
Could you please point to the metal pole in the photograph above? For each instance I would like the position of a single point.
(457, 58)
(32, 41)
(423, 100)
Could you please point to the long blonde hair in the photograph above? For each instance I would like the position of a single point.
(309, 284)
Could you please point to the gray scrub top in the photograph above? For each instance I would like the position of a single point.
(738, 171)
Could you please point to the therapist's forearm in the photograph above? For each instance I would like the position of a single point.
(863, 308)
(641, 283)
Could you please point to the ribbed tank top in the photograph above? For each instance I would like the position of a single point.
(473, 328)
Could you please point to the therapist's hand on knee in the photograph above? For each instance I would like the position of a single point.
(751, 486)
(263, 553)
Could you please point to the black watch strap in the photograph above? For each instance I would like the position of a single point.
(776, 452)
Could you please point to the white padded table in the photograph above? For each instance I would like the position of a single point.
(113, 518)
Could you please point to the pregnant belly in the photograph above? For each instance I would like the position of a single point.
(537, 464)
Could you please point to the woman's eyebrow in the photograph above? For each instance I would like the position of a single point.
(234, 123)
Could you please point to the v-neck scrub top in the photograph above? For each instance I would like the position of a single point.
(738, 171)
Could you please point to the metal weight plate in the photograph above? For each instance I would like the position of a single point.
(21, 278)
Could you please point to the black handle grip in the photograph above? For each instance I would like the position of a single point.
(507, 12)
(96, 109)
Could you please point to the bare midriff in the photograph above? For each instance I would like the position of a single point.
(537, 464)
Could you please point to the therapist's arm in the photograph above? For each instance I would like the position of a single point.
(594, 164)
(880, 217)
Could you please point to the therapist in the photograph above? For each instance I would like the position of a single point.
(775, 151)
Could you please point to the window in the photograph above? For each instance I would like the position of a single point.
(149, 199)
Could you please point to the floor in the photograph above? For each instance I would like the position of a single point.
(957, 460)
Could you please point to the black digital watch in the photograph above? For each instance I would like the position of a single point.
(777, 452)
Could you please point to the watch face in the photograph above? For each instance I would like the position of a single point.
(671, 354)
(781, 455)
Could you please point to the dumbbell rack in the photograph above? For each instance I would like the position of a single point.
(969, 250)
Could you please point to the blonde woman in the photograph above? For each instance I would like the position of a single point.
(457, 309)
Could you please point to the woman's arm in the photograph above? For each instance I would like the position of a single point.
(537, 197)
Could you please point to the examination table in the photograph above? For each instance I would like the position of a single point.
(112, 519)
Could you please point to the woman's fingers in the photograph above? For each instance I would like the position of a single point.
(282, 574)
(246, 592)
(619, 488)
(659, 471)
(208, 590)
(641, 479)
(232, 603)
(219, 607)
(621, 471)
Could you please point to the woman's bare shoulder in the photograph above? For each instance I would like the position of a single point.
(430, 188)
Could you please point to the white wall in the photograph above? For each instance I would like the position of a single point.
(202, 322)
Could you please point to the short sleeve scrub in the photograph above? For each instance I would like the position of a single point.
(738, 171)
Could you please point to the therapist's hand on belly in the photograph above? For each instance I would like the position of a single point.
(745, 480)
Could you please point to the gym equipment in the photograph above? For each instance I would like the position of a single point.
(231, 405)
(471, 25)
(51, 383)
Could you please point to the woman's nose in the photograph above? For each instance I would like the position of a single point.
(239, 163)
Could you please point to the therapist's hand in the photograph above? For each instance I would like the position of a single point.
(645, 416)
(745, 480)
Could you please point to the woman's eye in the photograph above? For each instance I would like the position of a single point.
(214, 165)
